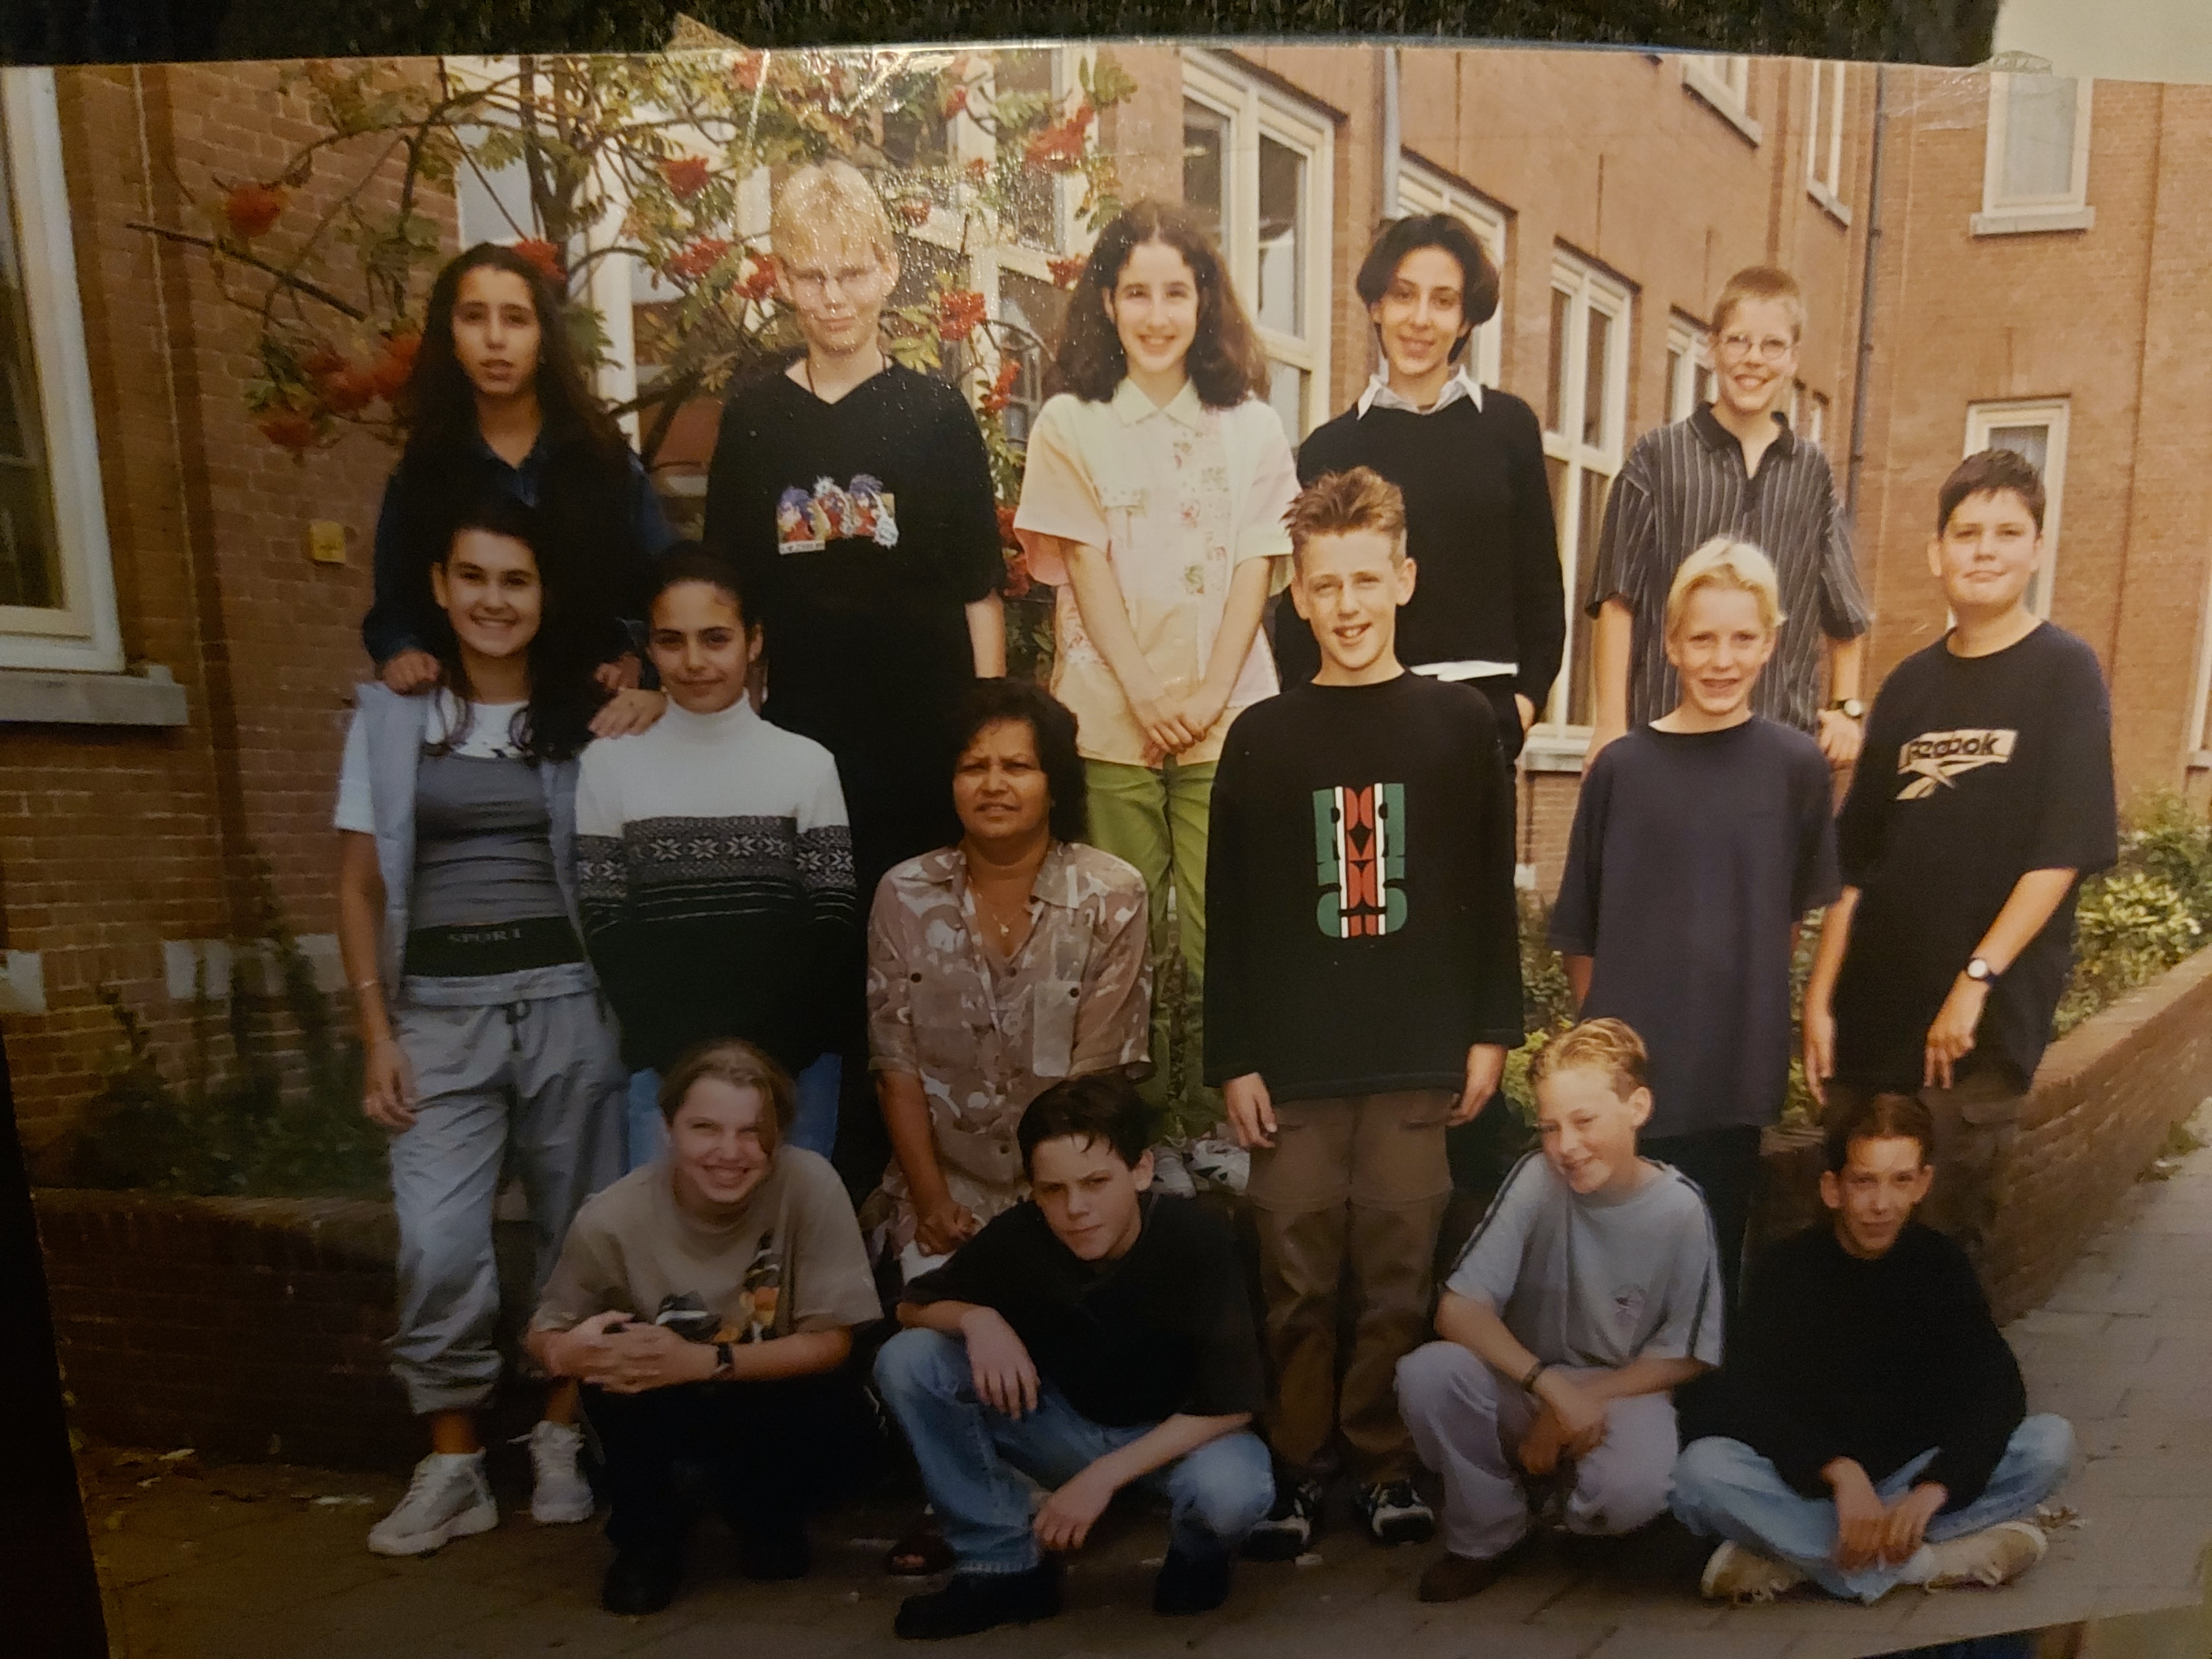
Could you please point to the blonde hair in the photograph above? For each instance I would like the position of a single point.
(827, 200)
(1736, 566)
(1599, 1045)
(1344, 503)
(1760, 283)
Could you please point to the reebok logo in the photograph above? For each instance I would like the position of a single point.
(1939, 759)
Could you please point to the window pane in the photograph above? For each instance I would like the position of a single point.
(1678, 364)
(1036, 308)
(1591, 520)
(1026, 74)
(1282, 216)
(30, 556)
(1705, 386)
(1599, 353)
(2039, 148)
(2032, 443)
(1205, 166)
(1555, 411)
(494, 206)
(1286, 396)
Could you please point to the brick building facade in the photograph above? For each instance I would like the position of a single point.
(147, 784)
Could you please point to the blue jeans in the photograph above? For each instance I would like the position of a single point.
(1724, 1489)
(813, 1121)
(973, 1459)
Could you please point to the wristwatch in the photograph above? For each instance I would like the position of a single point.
(1980, 972)
(1850, 708)
(1529, 1382)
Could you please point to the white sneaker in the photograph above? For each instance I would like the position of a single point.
(560, 1495)
(1995, 1555)
(1223, 1163)
(1170, 1175)
(447, 1498)
(1736, 1574)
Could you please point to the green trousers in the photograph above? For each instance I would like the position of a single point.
(1155, 819)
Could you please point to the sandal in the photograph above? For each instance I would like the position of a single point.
(920, 1553)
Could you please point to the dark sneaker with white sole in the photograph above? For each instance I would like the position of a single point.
(1395, 1514)
(973, 1602)
(1284, 1533)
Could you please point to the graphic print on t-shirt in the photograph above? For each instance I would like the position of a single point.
(808, 520)
(1938, 759)
(1359, 855)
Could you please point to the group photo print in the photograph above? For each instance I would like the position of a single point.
(1160, 845)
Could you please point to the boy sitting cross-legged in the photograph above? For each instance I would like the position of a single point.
(1591, 1291)
(1874, 1426)
(1095, 1336)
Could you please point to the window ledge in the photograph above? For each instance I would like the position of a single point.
(1722, 102)
(2200, 760)
(1834, 208)
(2024, 222)
(1555, 748)
(147, 696)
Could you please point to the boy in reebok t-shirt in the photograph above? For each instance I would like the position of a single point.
(1984, 796)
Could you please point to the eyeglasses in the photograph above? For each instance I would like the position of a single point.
(1772, 349)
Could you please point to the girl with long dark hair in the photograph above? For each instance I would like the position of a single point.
(482, 1029)
(1153, 500)
(497, 403)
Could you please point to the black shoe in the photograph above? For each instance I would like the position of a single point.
(640, 1580)
(1191, 1582)
(1288, 1526)
(1395, 1513)
(972, 1602)
(770, 1553)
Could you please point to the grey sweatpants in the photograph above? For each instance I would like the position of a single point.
(1467, 1423)
(543, 1076)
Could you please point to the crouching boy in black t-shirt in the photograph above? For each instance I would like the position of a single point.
(1094, 1337)
(1984, 796)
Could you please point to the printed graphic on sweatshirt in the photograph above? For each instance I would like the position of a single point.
(1359, 856)
(808, 520)
(1938, 760)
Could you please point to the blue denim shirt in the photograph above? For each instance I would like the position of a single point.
(386, 629)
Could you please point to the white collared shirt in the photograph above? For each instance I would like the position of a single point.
(1463, 383)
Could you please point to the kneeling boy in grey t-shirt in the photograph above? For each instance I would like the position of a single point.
(1591, 1291)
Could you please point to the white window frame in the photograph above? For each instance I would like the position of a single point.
(1982, 419)
(2200, 696)
(84, 636)
(1422, 189)
(1587, 289)
(1824, 150)
(1722, 80)
(1255, 109)
(1690, 342)
(2001, 216)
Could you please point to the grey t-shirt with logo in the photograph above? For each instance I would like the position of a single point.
(1597, 1280)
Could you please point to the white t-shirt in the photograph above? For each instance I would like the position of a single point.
(489, 737)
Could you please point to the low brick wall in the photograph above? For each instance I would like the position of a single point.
(245, 1327)
(2105, 1097)
(254, 1328)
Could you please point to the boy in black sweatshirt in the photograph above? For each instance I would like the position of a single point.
(1360, 872)
(1875, 1421)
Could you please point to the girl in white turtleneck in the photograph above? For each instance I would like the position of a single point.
(715, 865)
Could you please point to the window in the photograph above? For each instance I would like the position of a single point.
(2038, 431)
(1689, 368)
(1824, 139)
(2200, 737)
(1585, 412)
(1256, 171)
(1724, 83)
(1815, 430)
(2035, 171)
(57, 587)
(1421, 190)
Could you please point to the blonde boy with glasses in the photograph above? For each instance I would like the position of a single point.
(1733, 468)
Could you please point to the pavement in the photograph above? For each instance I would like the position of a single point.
(268, 1562)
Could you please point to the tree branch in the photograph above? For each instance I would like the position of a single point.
(312, 290)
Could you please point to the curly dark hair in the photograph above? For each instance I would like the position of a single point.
(1225, 363)
(1051, 723)
(1400, 237)
(438, 403)
(564, 689)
